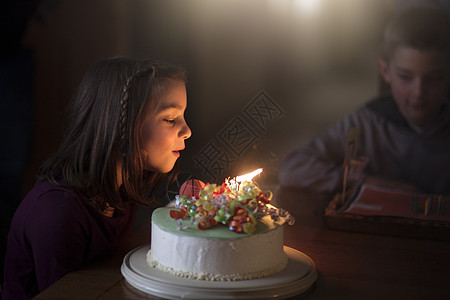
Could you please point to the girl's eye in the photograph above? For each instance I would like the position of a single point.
(170, 121)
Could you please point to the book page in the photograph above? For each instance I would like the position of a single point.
(376, 201)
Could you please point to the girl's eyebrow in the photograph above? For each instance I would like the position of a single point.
(169, 106)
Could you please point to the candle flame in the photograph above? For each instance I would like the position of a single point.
(248, 176)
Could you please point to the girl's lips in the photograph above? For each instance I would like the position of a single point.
(176, 153)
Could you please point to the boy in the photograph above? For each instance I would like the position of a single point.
(403, 136)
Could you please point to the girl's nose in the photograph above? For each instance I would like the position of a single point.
(185, 132)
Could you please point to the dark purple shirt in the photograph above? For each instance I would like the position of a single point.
(54, 232)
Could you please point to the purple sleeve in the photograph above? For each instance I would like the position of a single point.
(57, 237)
(54, 232)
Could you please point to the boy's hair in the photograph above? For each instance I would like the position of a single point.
(105, 129)
(421, 28)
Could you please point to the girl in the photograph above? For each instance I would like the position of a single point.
(126, 132)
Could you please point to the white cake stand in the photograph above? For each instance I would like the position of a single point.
(299, 275)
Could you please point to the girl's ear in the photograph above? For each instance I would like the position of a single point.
(383, 67)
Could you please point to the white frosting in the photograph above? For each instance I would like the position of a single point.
(244, 258)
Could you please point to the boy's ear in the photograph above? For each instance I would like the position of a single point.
(384, 69)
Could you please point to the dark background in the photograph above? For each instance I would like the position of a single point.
(315, 65)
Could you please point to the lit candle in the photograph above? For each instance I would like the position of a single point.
(245, 177)
(248, 176)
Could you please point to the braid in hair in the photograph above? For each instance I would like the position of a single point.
(124, 105)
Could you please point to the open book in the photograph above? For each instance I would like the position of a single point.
(380, 210)
(376, 201)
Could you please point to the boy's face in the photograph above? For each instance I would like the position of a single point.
(419, 82)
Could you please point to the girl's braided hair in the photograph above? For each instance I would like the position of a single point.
(124, 104)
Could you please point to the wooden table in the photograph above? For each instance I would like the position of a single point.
(350, 265)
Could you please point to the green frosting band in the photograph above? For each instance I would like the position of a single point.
(161, 217)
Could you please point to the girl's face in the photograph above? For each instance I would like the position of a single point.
(419, 82)
(165, 130)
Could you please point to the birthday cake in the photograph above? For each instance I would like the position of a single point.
(223, 232)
